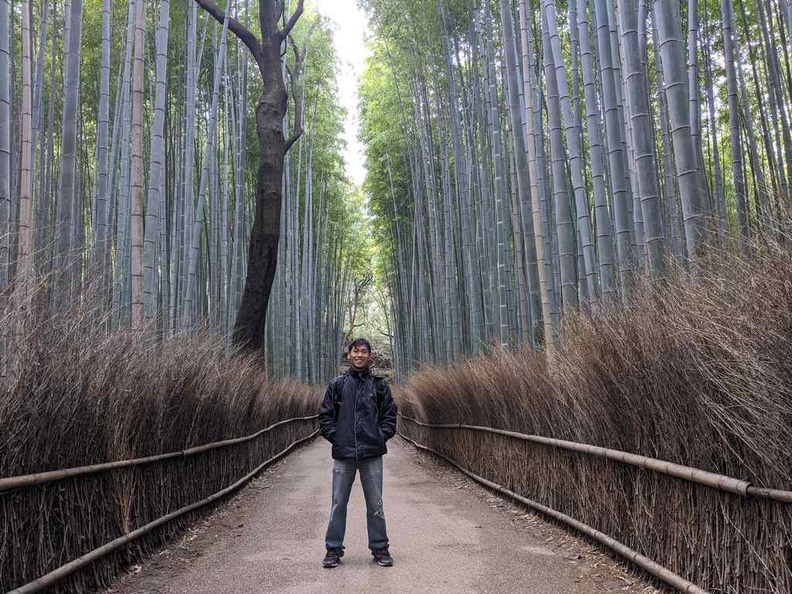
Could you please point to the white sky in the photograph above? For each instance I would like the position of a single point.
(351, 26)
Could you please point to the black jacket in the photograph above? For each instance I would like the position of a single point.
(358, 415)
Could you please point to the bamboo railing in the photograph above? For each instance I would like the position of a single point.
(688, 473)
(655, 569)
(694, 475)
(24, 481)
(40, 478)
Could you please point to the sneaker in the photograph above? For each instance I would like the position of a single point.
(382, 557)
(332, 558)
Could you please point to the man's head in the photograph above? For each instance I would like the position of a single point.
(359, 353)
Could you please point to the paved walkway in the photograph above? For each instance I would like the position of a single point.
(448, 535)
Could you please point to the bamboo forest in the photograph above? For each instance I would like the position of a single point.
(563, 226)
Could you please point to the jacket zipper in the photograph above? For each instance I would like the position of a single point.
(357, 390)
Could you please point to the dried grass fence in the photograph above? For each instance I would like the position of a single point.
(82, 398)
(698, 373)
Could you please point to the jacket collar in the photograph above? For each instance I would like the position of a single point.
(364, 374)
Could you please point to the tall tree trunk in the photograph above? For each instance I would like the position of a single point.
(734, 123)
(38, 102)
(120, 161)
(65, 260)
(763, 201)
(634, 212)
(777, 108)
(643, 137)
(720, 200)
(239, 188)
(573, 135)
(191, 305)
(462, 187)
(614, 124)
(694, 108)
(788, 15)
(47, 187)
(691, 188)
(521, 162)
(563, 211)
(23, 283)
(136, 177)
(151, 236)
(500, 182)
(5, 156)
(601, 216)
(188, 199)
(101, 227)
(535, 170)
(671, 199)
(224, 288)
(249, 328)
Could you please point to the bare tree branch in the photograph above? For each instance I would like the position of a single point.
(237, 28)
(294, 79)
(293, 19)
(294, 138)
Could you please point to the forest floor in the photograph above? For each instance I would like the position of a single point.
(447, 533)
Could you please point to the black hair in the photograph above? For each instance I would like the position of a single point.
(359, 342)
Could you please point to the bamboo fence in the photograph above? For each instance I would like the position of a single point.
(619, 548)
(74, 527)
(695, 530)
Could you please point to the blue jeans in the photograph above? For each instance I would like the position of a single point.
(371, 479)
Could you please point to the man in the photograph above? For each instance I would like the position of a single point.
(358, 416)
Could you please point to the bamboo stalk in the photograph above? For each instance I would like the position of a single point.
(655, 569)
(40, 478)
(694, 475)
(777, 494)
(55, 576)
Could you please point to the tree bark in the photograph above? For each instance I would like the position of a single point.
(249, 328)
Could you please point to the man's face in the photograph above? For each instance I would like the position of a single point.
(360, 357)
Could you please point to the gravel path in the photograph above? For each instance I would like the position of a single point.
(448, 535)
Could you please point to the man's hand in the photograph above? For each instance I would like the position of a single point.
(327, 420)
(388, 416)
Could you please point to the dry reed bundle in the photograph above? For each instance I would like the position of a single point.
(83, 398)
(698, 372)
